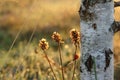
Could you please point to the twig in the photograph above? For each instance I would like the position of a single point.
(32, 34)
(14, 40)
(50, 65)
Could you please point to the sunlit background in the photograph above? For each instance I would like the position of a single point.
(24, 22)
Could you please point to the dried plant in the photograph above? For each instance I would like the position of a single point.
(75, 38)
(57, 38)
(43, 44)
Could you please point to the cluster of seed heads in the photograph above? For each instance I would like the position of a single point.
(75, 36)
(57, 37)
(43, 44)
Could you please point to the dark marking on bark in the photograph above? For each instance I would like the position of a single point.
(89, 63)
(80, 10)
(81, 70)
(86, 15)
(87, 3)
(115, 27)
(117, 4)
(84, 12)
(103, 1)
(94, 26)
(107, 58)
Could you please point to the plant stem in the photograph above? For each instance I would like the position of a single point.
(74, 62)
(60, 55)
(95, 68)
(50, 65)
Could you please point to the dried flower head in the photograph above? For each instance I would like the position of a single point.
(43, 44)
(57, 37)
(75, 36)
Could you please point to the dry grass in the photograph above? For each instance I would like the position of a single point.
(45, 13)
(27, 63)
(49, 16)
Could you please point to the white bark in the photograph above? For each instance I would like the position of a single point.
(96, 39)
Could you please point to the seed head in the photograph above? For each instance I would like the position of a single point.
(57, 37)
(43, 44)
(75, 36)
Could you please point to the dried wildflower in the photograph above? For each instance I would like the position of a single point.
(57, 37)
(75, 36)
(43, 44)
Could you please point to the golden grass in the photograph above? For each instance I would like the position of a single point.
(39, 12)
(26, 14)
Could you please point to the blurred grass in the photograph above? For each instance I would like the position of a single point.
(28, 60)
(45, 13)
(48, 16)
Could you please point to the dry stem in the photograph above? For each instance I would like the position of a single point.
(74, 62)
(50, 65)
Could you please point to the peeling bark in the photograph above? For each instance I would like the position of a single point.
(97, 17)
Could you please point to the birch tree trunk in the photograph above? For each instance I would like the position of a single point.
(97, 17)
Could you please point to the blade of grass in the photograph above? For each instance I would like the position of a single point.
(15, 40)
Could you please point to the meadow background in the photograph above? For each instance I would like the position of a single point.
(24, 22)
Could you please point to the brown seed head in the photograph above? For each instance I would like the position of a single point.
(57, 37)
(43, 44)
(75, 36)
